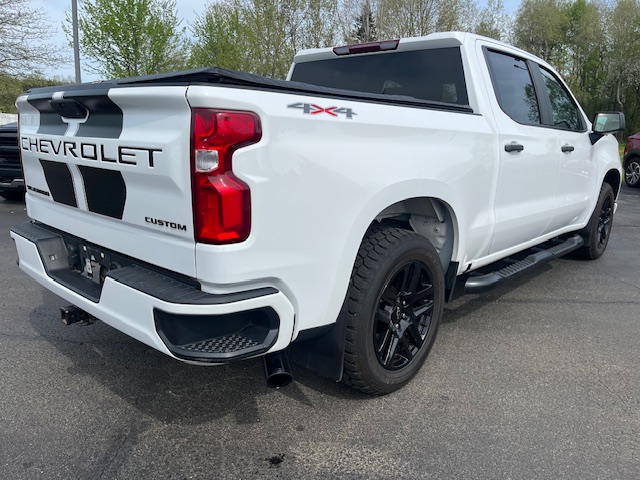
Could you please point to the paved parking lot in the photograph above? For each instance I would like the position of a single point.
(539, 379)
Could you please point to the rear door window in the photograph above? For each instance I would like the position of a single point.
(514, 88)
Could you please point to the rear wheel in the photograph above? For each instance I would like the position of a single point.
(394, 306)
(632, 172)
(598, 230)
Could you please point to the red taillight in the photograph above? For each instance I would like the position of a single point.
(221, 201)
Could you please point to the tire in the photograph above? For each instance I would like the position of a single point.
(598, 230)
(12, 195)
(632, 172)
(394, 306)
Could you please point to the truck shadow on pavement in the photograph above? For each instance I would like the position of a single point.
(463, 305)
(157, 385)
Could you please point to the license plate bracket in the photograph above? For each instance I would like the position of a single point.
(95, 263)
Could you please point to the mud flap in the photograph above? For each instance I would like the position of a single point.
(321, 349)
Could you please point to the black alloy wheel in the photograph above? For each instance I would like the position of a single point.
(598, 231)
(404, 316)
(392, 311)
(605, 221)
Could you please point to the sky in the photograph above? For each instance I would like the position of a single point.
(56, 11)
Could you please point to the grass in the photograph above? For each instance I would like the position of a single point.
(621, 150)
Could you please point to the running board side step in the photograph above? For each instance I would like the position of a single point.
(482, 283)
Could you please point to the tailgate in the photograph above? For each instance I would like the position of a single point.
(111, 165)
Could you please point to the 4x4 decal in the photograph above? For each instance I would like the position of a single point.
(313, 109)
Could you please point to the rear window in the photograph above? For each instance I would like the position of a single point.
(434, 74)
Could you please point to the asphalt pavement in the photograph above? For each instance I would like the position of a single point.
(537, 379)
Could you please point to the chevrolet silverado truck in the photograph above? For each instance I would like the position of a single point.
(216, 215)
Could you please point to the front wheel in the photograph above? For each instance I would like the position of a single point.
(394, 306)
(598, 230)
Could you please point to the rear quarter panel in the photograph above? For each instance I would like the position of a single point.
(318, 181)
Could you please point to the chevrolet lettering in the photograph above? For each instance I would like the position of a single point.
(122, 154)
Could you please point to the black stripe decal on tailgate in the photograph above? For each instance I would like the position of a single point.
(50, 121)
(105, 190)
(105, 117)
(60, 182)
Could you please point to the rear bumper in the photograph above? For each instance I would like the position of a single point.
(158, 309)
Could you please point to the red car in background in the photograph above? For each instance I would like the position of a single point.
(632, 161)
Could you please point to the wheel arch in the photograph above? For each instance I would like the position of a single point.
(633, 153)
(613, 178)
(430, 217)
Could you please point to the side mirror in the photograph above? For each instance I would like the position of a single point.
(608, 122)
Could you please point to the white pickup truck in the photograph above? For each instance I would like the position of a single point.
(216, 215)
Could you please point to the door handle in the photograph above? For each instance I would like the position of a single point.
(513, 147)
(567, 148)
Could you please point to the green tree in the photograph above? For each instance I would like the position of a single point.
(248, 35)
(623, 69)
(271, 43)
(492, 20)
(410, 18)
(130, 37)
(11, 87)
(24, 36)
(218, 38)
(540, 28)
(588, 53)
(320, 24)
(364, 28)
(261, 36)
(454, 15)
(406, 18)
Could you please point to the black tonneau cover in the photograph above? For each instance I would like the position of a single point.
(231, 78)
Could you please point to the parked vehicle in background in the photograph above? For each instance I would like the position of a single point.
(632, 161)
(216, 215)
(11, 180)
